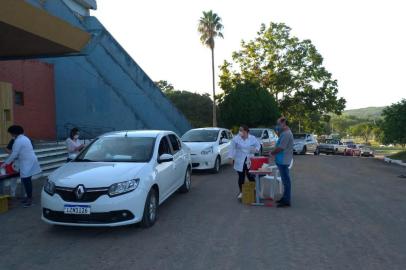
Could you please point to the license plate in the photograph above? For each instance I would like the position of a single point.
(77, 209)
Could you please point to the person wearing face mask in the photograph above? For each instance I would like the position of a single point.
(243, 147)
(283, 157)
(23, 151)
(73, 144)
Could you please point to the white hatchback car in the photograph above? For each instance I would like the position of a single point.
(119, 179)
(209, 147)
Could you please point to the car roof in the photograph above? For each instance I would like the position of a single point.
(209, 128)
(138, 133)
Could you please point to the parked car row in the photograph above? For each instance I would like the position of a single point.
(307, 143)
(122, 177)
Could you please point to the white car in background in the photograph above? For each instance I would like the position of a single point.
(119, 179)
(304, 143)
(209, 147)
(267, 138)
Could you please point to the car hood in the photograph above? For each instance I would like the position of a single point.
(197, 147)
(297, 141)
(95, 174)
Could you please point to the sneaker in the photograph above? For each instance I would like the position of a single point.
(239, 196)
(27, 203)
(283, 204)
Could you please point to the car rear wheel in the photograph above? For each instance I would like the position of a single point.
(317, 152)
(217, 164)
(150, 209)
(187, 182)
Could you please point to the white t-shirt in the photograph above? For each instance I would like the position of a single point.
(72, 146)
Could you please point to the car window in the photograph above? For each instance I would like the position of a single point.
(164, 147)
(200, 135)
(266, 135)
(230, 135)
(256, 132)
(175, 143)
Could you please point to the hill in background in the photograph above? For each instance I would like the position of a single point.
(365, 113)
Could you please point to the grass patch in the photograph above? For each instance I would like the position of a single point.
(399, 156)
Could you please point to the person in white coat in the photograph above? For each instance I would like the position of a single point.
(28, 161)
(243, 147)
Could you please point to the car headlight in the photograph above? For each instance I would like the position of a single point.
(207, 151)
(49, 187)
(123, 187)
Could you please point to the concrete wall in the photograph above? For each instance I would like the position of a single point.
(36, 80)
(105, 89)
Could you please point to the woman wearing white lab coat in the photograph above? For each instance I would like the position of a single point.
(28, 162)
(243, 147)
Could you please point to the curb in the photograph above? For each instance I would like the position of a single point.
(394, 161)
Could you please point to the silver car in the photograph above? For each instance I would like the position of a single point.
(304, 143)
(267, 138)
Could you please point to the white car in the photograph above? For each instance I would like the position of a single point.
(120, 178)
(267, 138)
(304, 143)
(209, 147)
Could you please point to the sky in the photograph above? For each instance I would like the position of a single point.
(363, 43)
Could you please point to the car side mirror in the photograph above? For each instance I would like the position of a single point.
(165, 158)
(224, 140)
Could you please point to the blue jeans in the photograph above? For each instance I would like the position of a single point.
(284, 171)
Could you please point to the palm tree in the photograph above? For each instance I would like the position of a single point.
(210, 28)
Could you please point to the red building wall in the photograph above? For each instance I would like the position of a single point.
(36, 80)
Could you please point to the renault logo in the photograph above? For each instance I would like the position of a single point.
(79, 192)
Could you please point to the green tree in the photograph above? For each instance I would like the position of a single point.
(210, 27)
(291, 70)
(247, 103)
(393, 124)
(165, 86)
(364, 130)
(196, 107)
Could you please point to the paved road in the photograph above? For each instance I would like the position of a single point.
(348, 213)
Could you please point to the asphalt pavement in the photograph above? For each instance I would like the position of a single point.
(347, 213)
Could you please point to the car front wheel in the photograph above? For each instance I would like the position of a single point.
(303, 150)
(217, 164)
(187, 182)
(150, 209)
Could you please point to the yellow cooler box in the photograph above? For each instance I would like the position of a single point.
(248, 193)
(4, 203)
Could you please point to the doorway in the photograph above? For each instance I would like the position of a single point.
(6, 111)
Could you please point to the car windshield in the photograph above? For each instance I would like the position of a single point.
(353, 146)
(118, 149)
(256, 132)
(331, 142)
(299, 136)
(200, 136)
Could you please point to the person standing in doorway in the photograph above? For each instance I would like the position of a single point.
(243, 147)
(73, 144)
(283, 157)
(28, 161)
